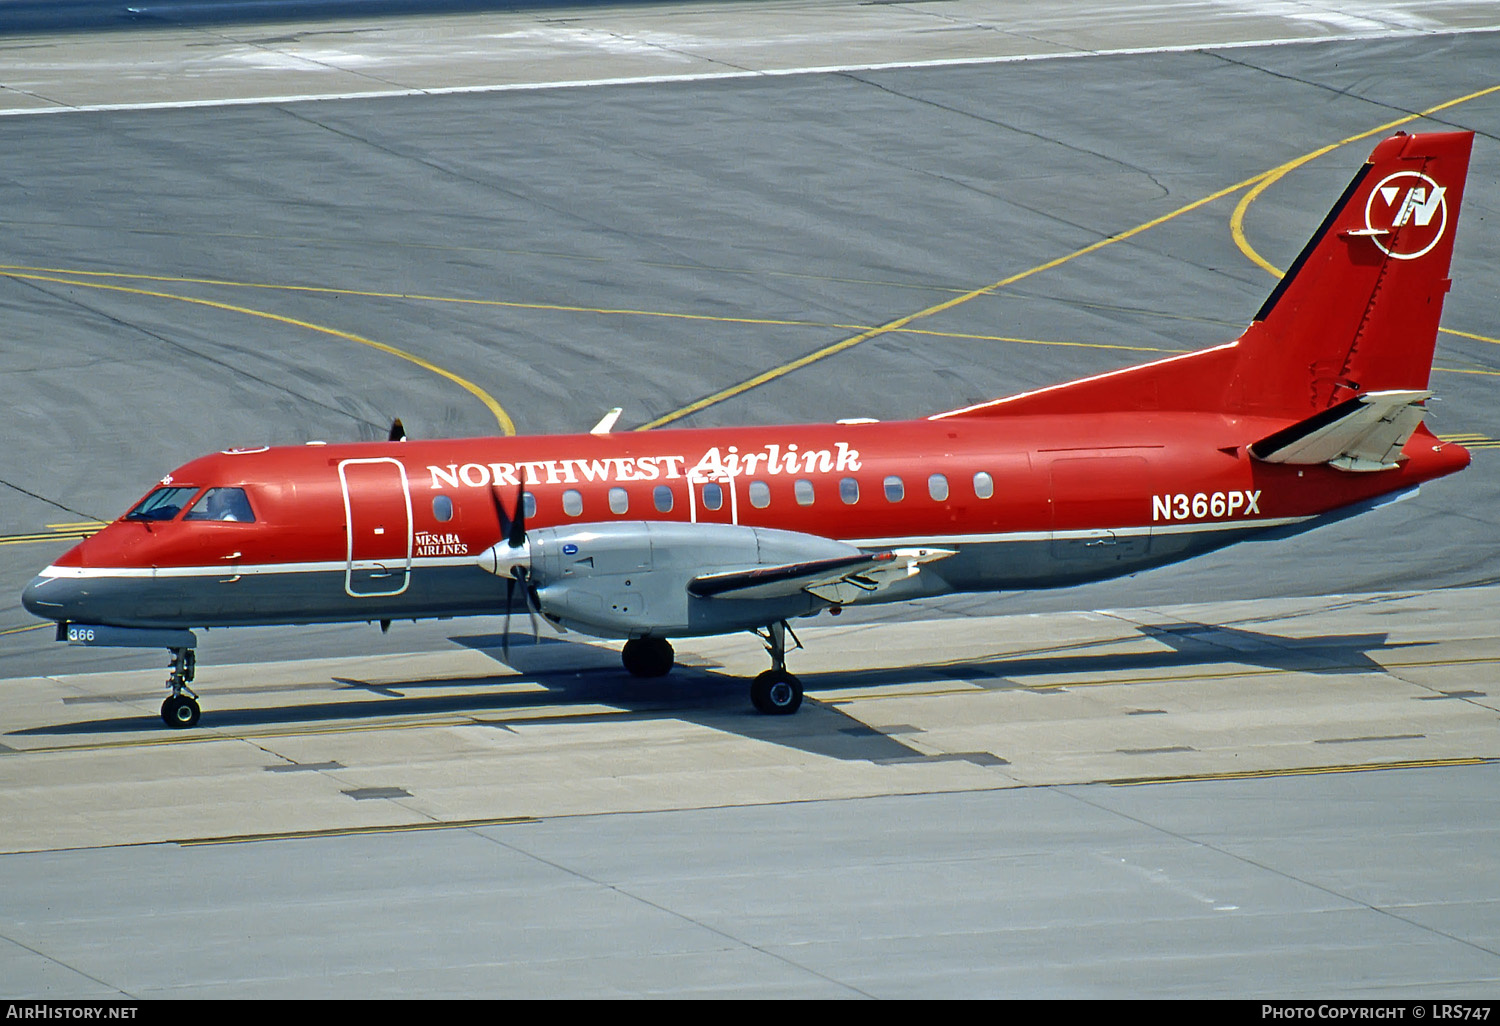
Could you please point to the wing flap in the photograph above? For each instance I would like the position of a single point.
(1364, 433)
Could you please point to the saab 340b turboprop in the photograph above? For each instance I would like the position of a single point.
(1315, 413)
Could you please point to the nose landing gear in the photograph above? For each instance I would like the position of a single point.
(181, 707)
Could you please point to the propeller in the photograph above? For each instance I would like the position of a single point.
(510, 557)
(397, 432)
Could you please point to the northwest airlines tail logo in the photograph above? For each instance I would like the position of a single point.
(1406, 214)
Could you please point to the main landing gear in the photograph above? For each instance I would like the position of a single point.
(775, 692)
(181, 707)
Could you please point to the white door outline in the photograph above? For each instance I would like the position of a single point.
(696, 477)
(379, 567)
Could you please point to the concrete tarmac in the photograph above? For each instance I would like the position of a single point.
(168, 52)
(963, 795)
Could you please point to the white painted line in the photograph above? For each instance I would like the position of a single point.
(712, 76)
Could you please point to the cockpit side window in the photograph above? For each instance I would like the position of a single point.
(229, 504)
(162, 504)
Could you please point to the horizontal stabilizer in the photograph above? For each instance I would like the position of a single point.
(840, 580)
(1366, 432)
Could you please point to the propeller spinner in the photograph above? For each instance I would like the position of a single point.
(510, 557)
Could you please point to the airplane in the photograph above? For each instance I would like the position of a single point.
(1314, 414)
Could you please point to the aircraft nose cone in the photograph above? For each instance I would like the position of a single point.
(47, 597)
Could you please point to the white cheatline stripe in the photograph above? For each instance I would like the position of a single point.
(1205, 527)
(421, 562)
(713, 76)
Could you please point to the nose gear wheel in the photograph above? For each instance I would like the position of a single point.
(181, 707)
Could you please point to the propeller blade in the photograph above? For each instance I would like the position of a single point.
(512, 525)
(517, 534)
(398, 431)
(502, 522)
(510, 591)
(512, 530)
(533, 604)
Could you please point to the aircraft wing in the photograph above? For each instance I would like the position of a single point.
(839, 580)
(1363, 433)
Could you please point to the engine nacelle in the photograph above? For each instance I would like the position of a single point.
(630, 579)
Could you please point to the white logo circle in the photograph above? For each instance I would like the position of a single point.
(1406, 214)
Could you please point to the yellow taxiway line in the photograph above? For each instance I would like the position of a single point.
(501, 417)
(1301, 771)
(386, 828)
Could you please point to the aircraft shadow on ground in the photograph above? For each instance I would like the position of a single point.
(1184, 647)
(562, 673)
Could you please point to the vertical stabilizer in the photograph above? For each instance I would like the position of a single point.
(1358, 311)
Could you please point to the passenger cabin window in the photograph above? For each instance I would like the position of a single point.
(227, 504)
(662, 496)
(528, 501)
(713, 496)
(803, 490)
(760, 494)
(573, 502)
(895, 489)
(937, 487)
(849, 491)
(984, 485)
(442, 508)
(162, 504)
(619, 502)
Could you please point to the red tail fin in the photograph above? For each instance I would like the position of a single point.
(1357, 312)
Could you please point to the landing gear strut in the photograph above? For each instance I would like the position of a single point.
(776, 692)
(181, 707)
(648, 657)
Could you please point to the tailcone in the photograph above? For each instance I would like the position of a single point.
(1430, 457)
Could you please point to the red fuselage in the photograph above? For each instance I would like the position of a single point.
(392, 530)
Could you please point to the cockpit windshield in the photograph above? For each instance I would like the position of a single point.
(229, 504)
(162, 504)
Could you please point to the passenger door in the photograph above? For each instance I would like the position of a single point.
(378, 525)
